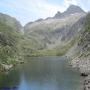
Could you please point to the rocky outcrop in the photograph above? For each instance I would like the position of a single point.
(82, 64)
(81, 58)
(6, 67)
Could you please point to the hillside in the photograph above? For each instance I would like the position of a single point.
(10, 37)
(80, 52)
(44, 37)
(64, 34)
(53, 36)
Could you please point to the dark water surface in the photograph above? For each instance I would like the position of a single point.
(42, 73)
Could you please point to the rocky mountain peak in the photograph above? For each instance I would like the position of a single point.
(39, 20)
(74, 9)
(58, 14)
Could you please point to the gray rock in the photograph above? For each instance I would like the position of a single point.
(86, 84)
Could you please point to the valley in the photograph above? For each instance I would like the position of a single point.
(65, 34)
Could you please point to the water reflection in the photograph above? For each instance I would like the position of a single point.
(42, 73)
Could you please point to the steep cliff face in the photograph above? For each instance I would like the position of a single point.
(52, 33)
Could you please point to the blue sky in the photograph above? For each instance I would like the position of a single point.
(30, 10)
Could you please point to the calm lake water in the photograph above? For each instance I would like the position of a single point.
(42, 73)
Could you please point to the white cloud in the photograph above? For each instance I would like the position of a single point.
(37, 8)
(27, 10)
(47, 9)
(68, 2)
(32, 5)
(41, 7)
(74, 2)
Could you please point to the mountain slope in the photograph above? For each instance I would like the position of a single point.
(81, 58)
(10, 21)
(80, 53)
(10, 35)
(52, 33)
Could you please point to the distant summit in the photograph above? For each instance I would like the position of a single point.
(39, 20)
(58, 14)
(72, 9)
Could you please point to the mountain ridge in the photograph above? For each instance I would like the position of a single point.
(52, 33)
(72, 9)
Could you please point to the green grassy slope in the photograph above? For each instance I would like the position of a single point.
(10, 37)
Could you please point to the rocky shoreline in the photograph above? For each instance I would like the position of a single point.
(6, 68)
(86, 84)
(83, 65)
